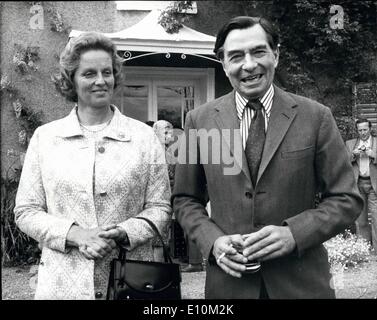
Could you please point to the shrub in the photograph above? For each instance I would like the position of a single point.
(16, 247)
(347, 250)
(346, 126)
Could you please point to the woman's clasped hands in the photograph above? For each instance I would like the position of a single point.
(96, 243)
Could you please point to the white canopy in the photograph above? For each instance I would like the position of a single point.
(149, 36)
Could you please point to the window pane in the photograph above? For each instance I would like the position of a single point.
(135, 102)
(173, 101)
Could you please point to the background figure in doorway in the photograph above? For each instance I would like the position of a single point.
(166, 134)
(163, 130)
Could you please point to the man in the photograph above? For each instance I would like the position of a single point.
(265, 214)
(363, 153)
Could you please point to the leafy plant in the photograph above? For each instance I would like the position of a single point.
(347, 250)
(25, 58)
(56, 21)
(172, 18)
(16, 247)
(346, 126)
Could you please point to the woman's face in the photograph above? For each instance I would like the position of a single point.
(94, 79)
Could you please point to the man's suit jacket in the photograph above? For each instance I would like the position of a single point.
(303, 153)
(372, 165)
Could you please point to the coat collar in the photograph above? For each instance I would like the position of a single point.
(118, 128)
(226, 118)
(282, 114)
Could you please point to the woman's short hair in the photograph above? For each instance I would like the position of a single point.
(244, 22)
(70, 60)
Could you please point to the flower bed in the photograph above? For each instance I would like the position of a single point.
(347, 250)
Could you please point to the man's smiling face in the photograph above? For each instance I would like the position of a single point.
(249, 62)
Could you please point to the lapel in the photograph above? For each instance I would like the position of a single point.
(282, 115)
(226, 118)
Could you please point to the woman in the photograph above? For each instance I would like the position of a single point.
(87, 175)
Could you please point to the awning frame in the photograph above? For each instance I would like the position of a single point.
(127, 55)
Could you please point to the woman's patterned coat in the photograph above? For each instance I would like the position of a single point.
(56, 190)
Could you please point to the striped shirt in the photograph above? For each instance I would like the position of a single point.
(246, 114)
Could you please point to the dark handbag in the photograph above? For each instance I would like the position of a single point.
(144, 280)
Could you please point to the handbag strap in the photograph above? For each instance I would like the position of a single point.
(167, 258)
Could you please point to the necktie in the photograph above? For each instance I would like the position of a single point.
(255, 139)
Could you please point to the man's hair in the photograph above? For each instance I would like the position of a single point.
(244, 22)
(363, 120)
(70, 60)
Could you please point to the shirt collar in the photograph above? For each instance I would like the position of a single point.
(266, 101)
(116, 130)
(366, 143)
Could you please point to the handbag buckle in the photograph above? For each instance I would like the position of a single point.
(149, 286)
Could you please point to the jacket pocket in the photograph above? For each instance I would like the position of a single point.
(298, 154)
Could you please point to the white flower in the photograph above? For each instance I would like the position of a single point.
(347, 249)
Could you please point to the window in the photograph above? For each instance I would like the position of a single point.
(174, 101)
(153, 93)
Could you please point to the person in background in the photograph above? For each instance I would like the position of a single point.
(87, 176)
(363, 155)
(265, 236)
(164, 131)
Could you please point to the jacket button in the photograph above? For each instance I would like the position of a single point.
(98, 295)
(248, 195)
(101, 149)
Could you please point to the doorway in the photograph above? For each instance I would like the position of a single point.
(153, 93)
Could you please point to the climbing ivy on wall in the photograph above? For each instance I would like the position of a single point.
(16, 247)
(172, 18)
